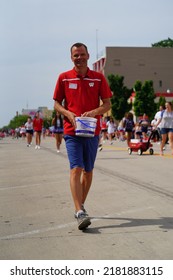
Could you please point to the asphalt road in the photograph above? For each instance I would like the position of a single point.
(130, 204)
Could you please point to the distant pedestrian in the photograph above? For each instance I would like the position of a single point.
(166, 121)
(121, 131)
(155, 133)
(17, 132)
(23, 131)
(37, 125)
(44, 132)
(104, 130)
(57, 123)
(157, 117)
(111, 129)
(128, 124)
(29, 131)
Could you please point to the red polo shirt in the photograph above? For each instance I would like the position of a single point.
(81, 94)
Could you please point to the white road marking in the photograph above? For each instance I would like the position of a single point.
(43, 230)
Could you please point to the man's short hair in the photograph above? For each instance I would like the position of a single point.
(78, 45)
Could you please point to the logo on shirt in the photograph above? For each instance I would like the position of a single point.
(91, 84)
(72, 86)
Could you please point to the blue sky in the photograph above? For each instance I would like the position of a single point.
(36, 35)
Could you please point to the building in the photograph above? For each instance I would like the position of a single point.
(46, 113)
(29, 112)
(167, 95)
(139, 63)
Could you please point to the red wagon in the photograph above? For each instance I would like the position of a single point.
(140, 146)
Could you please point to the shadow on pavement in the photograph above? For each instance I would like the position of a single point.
(163, 223)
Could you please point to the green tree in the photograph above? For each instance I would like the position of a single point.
(17, 121)
(53, 113)
(144, 99)
(168, 43)
(162, 101)
(120, 96)
(47, 122)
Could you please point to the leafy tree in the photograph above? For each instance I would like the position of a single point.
(120, 96)
(47, 122)
(53, 113)
(4, 128)
(164, 43)
(144, 99)
(162, 101)
(17, 121)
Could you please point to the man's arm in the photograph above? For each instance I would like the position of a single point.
(70, 115)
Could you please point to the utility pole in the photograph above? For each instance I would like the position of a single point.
(97, 44)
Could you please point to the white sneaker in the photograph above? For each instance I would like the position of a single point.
(36, 147)
(82, 209)
(83, 220)
(58, 151)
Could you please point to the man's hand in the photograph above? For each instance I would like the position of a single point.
(71, 116)
(90, 114)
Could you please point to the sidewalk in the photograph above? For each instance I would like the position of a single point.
(130, 202)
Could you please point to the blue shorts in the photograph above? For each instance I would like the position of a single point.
(81, 151)
(166, 130)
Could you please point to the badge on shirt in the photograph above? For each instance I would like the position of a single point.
(72, 86)
(91, 84)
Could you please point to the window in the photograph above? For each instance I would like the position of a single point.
(160, 83)
(117, 62)
(141, 62)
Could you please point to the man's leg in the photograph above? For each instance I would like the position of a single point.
(76, 187)
(86, 180)
(77, 193)
(80, 183)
